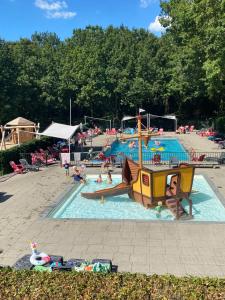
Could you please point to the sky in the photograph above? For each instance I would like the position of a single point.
(22, 18)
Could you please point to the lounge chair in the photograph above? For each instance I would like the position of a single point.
(27, 166)
(18, 169)
(174, 161)
(200, 158)
(219, 159)
(156, 159)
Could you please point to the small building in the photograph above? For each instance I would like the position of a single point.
(18, 131)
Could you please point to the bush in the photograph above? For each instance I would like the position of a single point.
(14, 153)
(71, 285)
(220, 124)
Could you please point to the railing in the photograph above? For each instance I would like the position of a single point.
(152, 158)
(169, 158)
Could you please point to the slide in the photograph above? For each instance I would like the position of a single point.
(119, 189)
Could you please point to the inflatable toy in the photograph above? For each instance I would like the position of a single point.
(38, 258)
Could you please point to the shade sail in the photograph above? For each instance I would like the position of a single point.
(60, 131)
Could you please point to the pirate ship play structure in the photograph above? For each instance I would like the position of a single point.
(148, 187)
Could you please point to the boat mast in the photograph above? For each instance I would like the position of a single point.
(139, 141)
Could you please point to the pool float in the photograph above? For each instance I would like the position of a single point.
(38, 258)
(158, 149)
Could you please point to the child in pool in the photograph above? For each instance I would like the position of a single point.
(109, 178)
(99, 179)
(158, 209)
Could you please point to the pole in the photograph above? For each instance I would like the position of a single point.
(149, 121)
(110, 125)
(70, 125)
(175, 124)
(85, 119)
(139, 141)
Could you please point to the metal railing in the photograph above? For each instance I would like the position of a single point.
(151, 158)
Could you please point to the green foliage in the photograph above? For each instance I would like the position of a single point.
(14, 153)
(112, 71)
(44, 285)
(220, 124)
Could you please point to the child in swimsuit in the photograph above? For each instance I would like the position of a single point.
(99, 179)
(66, 167)
(109, 178)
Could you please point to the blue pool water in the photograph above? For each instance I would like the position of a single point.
(165, 147)
(206, 205)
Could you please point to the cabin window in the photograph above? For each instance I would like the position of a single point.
(145, 179)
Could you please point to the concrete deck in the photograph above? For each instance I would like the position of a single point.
(178, 248)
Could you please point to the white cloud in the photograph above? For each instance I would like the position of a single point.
(61, 14)
(55, 9)
(146, 3)
(156, 26)
(50, 5)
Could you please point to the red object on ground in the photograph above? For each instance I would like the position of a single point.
(16, 168)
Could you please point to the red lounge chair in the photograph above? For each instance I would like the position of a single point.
(156, 159)
(19, 169)
(200, 158)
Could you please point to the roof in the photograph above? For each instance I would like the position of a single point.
(60, 131)
(20, 122)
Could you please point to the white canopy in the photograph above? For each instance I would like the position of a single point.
(61, 131)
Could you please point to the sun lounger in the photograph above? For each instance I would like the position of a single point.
(27, 166)
(18, 169)
(219, 159)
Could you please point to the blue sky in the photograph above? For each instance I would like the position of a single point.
(21, 18)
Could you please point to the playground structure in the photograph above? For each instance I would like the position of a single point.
(18, 131)
(150, 187)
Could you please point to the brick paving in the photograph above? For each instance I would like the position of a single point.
(177, 247)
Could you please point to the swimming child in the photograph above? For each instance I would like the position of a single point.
(109, 178)
(66, 167)
(158, 209)
(99, 179)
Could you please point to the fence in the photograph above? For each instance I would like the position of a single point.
(167, 158)
(150, 158)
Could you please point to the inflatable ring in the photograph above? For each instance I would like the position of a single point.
(158, 149)
(39, 259)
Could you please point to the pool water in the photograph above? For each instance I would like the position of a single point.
(165, 147)
(206, 205)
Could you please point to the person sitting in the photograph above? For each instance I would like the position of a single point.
(77, 176)
(99, 179)
(109, 178)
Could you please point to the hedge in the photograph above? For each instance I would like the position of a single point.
(71, 285)
(14, 153)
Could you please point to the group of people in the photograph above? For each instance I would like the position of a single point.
(79, 174)
(108, 180)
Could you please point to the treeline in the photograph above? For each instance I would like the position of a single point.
(111, 72)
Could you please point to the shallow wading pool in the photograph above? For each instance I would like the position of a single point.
(206, 204)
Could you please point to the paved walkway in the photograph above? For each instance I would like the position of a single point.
(150, 247)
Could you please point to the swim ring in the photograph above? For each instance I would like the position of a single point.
(39, 259)
(158, 149)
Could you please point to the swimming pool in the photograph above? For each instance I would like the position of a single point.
(167, 148)
(206, 204)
